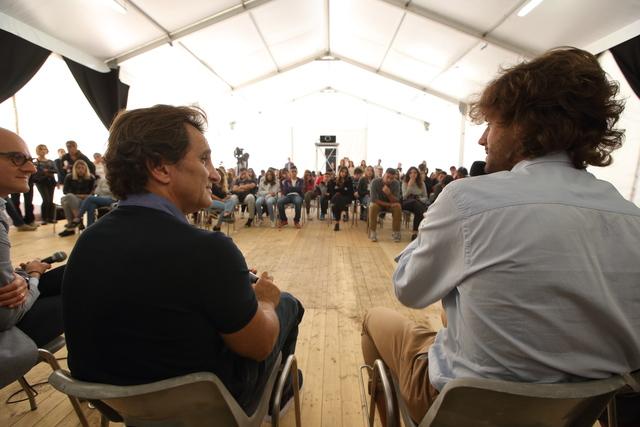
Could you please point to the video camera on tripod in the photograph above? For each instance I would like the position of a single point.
(242, 158)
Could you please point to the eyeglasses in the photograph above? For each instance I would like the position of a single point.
(18, 159)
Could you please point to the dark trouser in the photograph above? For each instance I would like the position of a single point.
(46, 189)
(13, 213)
(28, 204)
(296, 199)
(417, 208)
(43, 322)
(324, 204)
(339, 203)
(256, 374)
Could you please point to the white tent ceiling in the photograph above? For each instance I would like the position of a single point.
(384, 51)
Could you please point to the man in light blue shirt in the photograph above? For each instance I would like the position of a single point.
(536, 264)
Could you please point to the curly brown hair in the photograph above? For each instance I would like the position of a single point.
(560, 101)
(146, 137)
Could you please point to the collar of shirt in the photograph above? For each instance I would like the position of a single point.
(154, 201)
(557, 157)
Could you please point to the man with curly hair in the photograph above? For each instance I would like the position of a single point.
(536, 263)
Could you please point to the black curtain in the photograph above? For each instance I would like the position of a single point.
(20, 61)
(627, 56)
(104, 91)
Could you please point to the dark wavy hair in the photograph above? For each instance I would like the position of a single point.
(406, 175)
(146, 137)
(560, 101)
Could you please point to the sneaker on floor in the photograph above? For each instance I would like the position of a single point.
(297, 224)
(273, 223)
(67, 232)
(395, 236)
(249, 222)
(321, 217)
(26, 227)
(373, 236)
(286, 400)
(336, 227)
(216, 228)
(283, 223)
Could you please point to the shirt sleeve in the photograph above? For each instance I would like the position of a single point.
(433, 264)
(230, 303)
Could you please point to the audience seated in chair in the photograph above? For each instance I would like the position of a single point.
(267, 196)
(322, 192)
(362, 191)
(340, 190)
(385, 197)
(245, 188)
(78, 185)
(414, 197)
(177, 308)
(222, 201)
(30, 303)
(309, 191)
(101, 198)
(292, 192)
(522, 256)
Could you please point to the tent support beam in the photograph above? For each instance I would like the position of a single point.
(281, 70)
(396, 78)
(425, 13)
(185, 31)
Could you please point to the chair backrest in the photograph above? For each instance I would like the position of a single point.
(475, 402)
(191, 400)
(18, 354)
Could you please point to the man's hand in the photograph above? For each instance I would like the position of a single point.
(14, 293)
(35, 266)
(393, 205)
(266, 291)
(386, 190)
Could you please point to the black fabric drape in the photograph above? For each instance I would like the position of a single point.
(104, 91)
(20, 61)
(627, 56)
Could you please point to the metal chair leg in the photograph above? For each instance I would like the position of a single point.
(29, 392)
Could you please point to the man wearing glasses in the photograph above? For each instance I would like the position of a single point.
(29, 295)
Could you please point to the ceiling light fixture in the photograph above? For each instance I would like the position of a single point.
(532, 4)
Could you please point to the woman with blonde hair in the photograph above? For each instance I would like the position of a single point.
(78, 185)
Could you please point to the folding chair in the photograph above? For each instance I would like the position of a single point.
(475, 402)
(193, 400)
(44, 354)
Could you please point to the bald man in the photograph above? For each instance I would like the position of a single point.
(30, 294)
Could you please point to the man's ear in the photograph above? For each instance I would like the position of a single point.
(159, 172)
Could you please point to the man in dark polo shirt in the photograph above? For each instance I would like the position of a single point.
(147, 296)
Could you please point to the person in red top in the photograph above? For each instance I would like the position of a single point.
(308, 186)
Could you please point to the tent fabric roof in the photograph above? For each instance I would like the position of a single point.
(450, 49)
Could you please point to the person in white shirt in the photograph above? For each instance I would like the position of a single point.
(536, 263)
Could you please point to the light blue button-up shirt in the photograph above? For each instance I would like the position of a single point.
(538, 269)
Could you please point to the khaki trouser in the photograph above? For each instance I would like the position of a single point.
(399, 342)
(374, 211)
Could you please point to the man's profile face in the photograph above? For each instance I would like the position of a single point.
(501, 145)
(13, 179)
(192, 176)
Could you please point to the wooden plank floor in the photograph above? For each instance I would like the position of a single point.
(336, 275)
